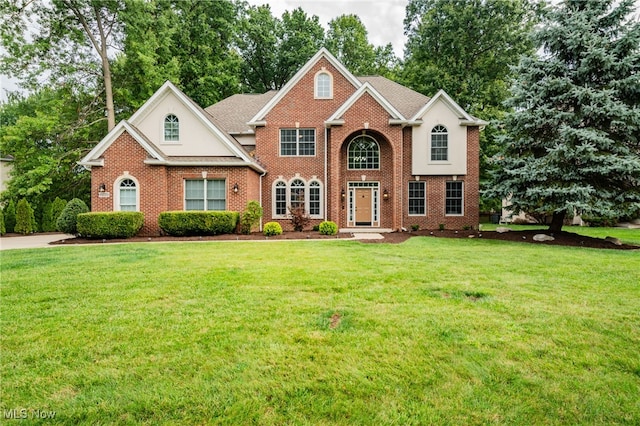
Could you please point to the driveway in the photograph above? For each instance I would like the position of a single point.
(30, 241)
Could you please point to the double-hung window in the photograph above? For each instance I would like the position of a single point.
(297, 142)
(453, 200)
(439, 144)
(205, 194)
(128, 196)
(417, 198)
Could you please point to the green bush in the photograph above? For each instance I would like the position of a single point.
(50, 214)
(272, 228)
(328, 228)
(10, 216)
(3, 230)
(25, 220)
(110, 224)
(250, 217)
(180, 223)
(67, 222)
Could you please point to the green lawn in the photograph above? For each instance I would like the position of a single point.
(431, 331)
(626, 235)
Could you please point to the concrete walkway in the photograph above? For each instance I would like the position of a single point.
(30, 241)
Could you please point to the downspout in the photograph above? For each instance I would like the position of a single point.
(261, 176)
(326, 185)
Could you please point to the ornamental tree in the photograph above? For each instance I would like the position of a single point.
(572, 142)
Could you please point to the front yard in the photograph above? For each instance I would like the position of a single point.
(430, 331)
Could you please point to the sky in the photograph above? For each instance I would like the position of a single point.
(382, 18)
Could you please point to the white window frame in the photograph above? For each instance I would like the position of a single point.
(461, 198)
(431, 147)
(317, 92)
(307, 197)
(116, 192)
(164, 129)
(424, 199)
(205, 206)
(349, 151)
(297, 130)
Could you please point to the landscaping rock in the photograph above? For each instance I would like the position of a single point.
(502, 229)
(542, 237)
(614, 240)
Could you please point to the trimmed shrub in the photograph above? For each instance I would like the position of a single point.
(328, 228)
(10, 216)
(110, 224)
(56, 209)
(67, 222)
(272, 228)
(250, 217)
(180, 223)
(25, 220)
(3, 230)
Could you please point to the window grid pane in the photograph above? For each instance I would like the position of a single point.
(294, 142)
(194, 194)
(216, 191)
(416, 198)
(128, 195)
(281, 199)
(439, 144)
(364, 154)
(171, 128)
(454, 198)
(297, 194)
(314, 199)
(323, 82)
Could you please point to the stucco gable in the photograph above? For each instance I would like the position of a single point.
(259, 117)
(465, 118)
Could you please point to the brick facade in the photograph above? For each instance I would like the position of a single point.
(161, 186)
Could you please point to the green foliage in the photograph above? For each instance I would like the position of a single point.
(110, 224)
(183, 223)
(572, 140)
(328, 228)
(25, 220)
(3, 230)
(10, 216)
(347, 39)
(56, 209)
(272, 228)
(415, 227)
(67, 222)
(250, 216)
(48, 224)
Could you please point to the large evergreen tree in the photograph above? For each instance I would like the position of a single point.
(573, 140)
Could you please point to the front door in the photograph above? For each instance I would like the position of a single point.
(363, 206)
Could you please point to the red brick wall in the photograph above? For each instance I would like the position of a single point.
(161, 188)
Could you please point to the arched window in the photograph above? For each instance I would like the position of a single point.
(439, 144)
(297, 194)
(127, 196)
(171, 128)
(280, 199)
(364, 153)
(314, 198)
(324, 89)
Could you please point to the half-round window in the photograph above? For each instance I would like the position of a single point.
(364, 153)
(171, 128)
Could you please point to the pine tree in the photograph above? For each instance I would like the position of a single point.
(573, 140)
(10, 216)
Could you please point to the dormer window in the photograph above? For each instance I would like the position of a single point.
(171, 128)
(324, 86)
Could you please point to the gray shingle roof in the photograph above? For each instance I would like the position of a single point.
(405, 100)
(234, 112)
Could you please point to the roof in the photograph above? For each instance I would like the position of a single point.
(234, 112)
(405, 100)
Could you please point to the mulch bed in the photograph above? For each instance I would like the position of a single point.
(561, 239)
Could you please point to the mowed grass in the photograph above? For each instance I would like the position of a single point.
(431, 331)
(626, 235)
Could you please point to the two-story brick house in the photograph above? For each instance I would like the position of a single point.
(364, 152)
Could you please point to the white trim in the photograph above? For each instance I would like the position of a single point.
(379, 151)
(204, 179)
(307, 197)
(430, 147)
(116, 191)
(297, 129)
(376, 203)
(465, 118)
(92, 158)
(258, 119)
(445, 199)
(164, 131)
(315, 84)
(424, 185)
(365, 88)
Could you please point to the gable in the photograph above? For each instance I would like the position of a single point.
(195, 135)
(366, 90)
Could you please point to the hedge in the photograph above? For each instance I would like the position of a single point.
(180, 223)
(110, 224)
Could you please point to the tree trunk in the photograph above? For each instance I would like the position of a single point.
(557, 221)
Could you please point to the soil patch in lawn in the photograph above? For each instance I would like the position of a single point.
(525, 236)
